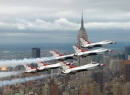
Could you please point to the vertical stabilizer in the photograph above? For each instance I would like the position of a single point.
(64, 65)
(55, 54)
(28, 67)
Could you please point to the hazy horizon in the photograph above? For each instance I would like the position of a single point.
(63, 46)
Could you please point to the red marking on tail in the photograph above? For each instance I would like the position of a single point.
(30, 66)
(86, 40)
(58, 53)
(68, 65)
(81, 49)
(44, 64)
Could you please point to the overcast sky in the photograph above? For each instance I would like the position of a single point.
(58, 21)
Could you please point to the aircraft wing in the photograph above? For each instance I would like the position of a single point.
(86, 54)
(82, 68)
(70, 56)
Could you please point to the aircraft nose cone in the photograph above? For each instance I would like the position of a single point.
(111, 50)
(115, 42)
(103, 64)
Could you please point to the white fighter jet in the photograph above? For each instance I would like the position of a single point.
(30, 69)
(73, 69)
(89, 45)
(84, 53)
(44, 66)
(58, 56)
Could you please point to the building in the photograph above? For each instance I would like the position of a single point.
(82, 33)
(94, 89)
(117, 89)
(54, 89)
(127, 52)
(106, 59)
(126, 70)
(81, 61)
(66, 93)
(83, 90)
(98, 78)
(126, 89)
(128, 57)
(74, 91)
(36, 53)
(46, 90)
(116, 65)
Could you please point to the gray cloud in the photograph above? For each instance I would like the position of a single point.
(25, 20)
(59, 8)
(61, 24)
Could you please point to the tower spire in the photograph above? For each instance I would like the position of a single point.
(82, 23)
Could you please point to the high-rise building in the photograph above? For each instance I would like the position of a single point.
(54, 89)
(94, 89)
(82, 33)
(46, 90)
(66, 93)
(36, 53)
(117, 89)
(82, 90)
(128, 57)
(98, 78)
(80, 60)
(126, 70)
(74, 91)
(116, 65)
(127, 52)
(126, 89)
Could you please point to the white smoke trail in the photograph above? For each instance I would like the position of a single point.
(6, 74)
(14, 62)
(23, 80)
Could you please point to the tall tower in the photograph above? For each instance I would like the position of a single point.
(126, 70)
(127, 52)
(82, 33)
(36, 52)
(80, 60)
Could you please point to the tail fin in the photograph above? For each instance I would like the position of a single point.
(28, 67)
(41, 64)
(55, 54)
(77, 49)
(65, 66)
(84, 41)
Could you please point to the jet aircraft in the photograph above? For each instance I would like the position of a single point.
(73, 69)
(60, 57)
(30, 69)
(45, 67)
(89, 45)
(84, 53)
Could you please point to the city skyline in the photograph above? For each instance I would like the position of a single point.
(59, 21)
(30, 29)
